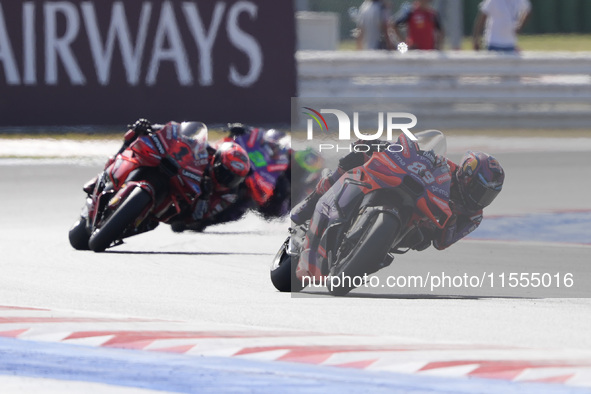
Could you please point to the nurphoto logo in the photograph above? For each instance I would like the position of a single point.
(391, 119)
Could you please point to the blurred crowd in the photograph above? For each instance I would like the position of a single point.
(418, 25)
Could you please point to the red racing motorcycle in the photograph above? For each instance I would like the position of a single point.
(158, 178)
(371, 213)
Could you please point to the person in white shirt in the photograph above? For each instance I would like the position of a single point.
(372, 23)
(501, 21)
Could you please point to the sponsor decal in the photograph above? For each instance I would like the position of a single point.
(158, 144)
(192, 176)
(429, 155)
(238, 166)
(65, 58)
(443, 178)
(158, 40)
(443, 205)
(277, 167)
(440, 191)
(390, 162)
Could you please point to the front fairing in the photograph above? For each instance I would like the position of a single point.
(388, 169)
(409, 183)
(429, 169)
(180, 160)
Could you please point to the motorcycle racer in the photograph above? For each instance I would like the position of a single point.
(226, 168)
(475, 183)
(278, 171)
(268, 186)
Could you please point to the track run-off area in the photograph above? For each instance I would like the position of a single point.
(196, 312)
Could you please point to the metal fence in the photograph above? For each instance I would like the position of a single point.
(460, 89)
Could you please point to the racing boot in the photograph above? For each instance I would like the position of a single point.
(305, 209)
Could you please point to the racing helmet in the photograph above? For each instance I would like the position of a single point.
(274, 135)
(480, 179)
(275, 143)
(309, 160)
(230, 165)
(190, 131)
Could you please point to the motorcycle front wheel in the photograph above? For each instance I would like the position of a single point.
(372, 247)
(79, 235)
(127, 212)
(283, 272)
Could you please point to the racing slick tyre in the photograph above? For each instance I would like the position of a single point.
(112, 229)
(283, 273)
(373, 246)
(79, 235)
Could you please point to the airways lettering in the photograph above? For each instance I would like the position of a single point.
(64, 24)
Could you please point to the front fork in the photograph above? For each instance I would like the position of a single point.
(105, 199)
(96, 194)
(365, 218)
(296, 240)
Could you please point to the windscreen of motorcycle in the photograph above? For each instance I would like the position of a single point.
(197, 133)
(432, 140)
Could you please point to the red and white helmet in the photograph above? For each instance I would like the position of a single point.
(230, 165)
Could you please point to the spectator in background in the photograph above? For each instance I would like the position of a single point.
(451, 15)
(423, 26)
(372, 23)
(501, 21)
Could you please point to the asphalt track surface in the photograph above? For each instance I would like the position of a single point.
(220, 277)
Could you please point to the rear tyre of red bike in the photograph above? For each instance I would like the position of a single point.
(113, 228)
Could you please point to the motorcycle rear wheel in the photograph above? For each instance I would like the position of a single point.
(112, 229)
(79, 235)
(283, 273)
(373, 246)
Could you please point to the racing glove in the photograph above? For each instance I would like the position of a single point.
(236, 129)
(141, 126)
